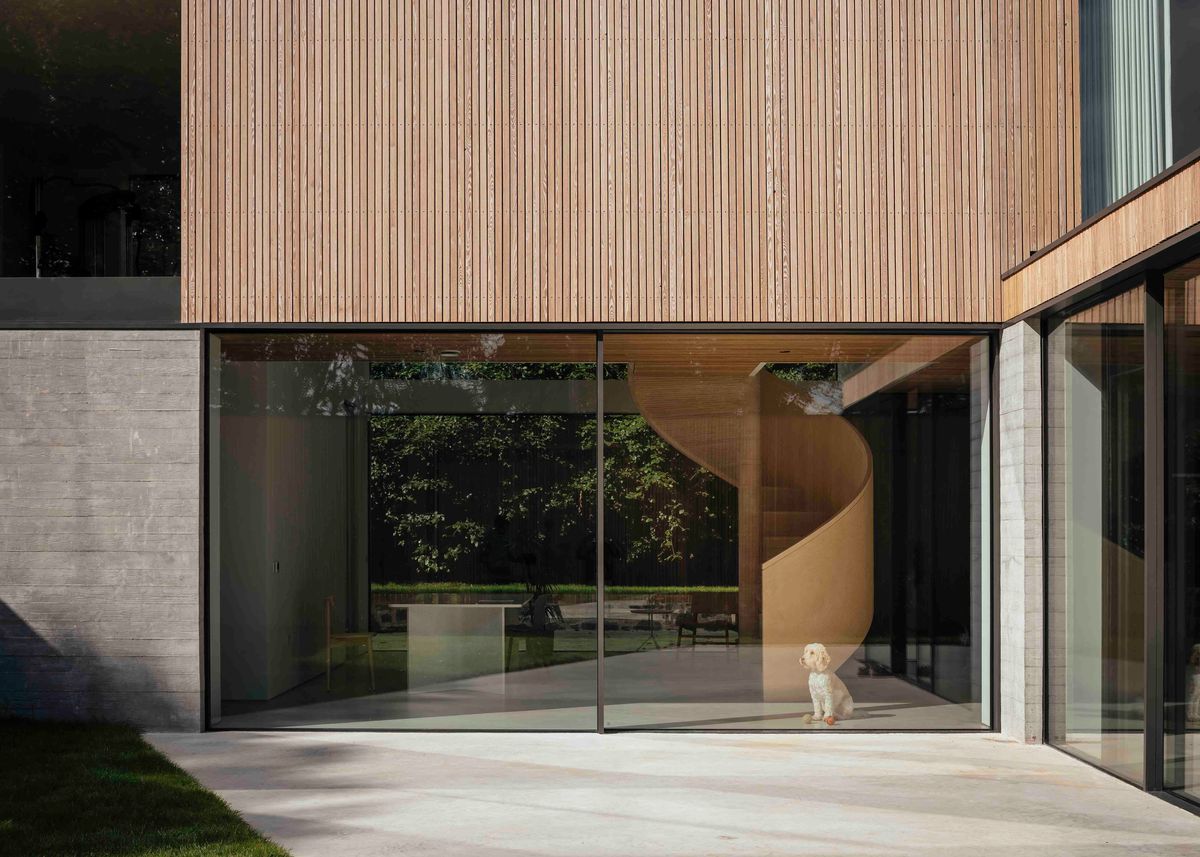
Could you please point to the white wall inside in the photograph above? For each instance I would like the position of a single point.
(289, 533)
(1084, 552)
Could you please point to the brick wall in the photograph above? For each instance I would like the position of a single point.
(99, 526)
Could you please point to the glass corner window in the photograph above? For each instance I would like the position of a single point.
(1181, 650)
(1096, 561)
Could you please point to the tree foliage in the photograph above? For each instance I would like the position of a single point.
(660, 496)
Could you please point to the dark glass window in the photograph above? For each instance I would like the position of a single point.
(89, 138)
(1181, 679)
(1185, 77)
(1139, 84)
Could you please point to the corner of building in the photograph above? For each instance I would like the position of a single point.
(1021, 542)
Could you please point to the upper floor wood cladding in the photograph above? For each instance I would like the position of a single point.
(621, 160)
(1149, 217)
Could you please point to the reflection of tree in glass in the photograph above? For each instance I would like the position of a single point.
(428, 475)
(441, 521)
(804, 371)
(663, 496)
(816, 388)
(89, 128)
(471, 370)
(456, 487)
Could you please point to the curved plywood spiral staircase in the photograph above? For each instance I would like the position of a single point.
(805, 490)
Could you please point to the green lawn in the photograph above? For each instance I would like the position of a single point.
(90, 789)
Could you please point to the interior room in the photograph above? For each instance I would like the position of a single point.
(410, 531)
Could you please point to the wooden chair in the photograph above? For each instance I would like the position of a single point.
(693, 622)
(343, 639)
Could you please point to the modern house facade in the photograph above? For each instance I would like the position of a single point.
(586, 365)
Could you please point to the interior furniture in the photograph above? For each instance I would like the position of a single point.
(452, 642)
(695, 622)
(648, 610)
(347, 639)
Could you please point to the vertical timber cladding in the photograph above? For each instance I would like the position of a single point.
(621, 160)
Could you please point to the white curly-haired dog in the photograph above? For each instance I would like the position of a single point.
(831, 700)
(1193, 704)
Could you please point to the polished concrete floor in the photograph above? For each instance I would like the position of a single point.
(486, 795)
(709, 686)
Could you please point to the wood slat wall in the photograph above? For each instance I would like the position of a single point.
(1136, 225)
(621, 160)
(1128, 307)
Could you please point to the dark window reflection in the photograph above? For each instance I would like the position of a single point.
(924, 608)
(1181, 683)
(89, 138)
(1185, 76)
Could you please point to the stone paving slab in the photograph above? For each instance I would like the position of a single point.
(662, 795)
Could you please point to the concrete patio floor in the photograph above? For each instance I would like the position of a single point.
(662, 795)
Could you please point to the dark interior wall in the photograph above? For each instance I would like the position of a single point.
(922, 624)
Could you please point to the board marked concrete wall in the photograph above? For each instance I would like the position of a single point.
(1021, 548)
(99, 526)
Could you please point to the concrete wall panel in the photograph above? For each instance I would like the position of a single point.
(99, 526)
(1021, 549)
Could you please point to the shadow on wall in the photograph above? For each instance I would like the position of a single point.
(28, 665)
(71, 681)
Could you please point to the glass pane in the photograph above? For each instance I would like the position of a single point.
(403, 531)
(768, 493)
(89, 138)
(1184, 23)
(1181, 683)
(1097, 535)
(1139, 81)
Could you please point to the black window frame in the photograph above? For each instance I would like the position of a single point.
(210, 335)
(1146, 270)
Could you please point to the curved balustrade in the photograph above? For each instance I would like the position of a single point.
(805, 495)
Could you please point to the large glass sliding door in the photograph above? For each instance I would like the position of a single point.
(768, 493)
(403, 531)
(1096, 577)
